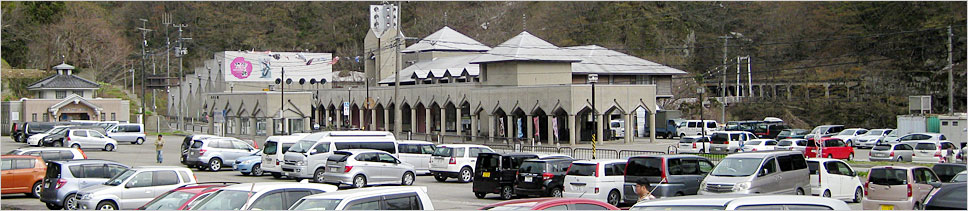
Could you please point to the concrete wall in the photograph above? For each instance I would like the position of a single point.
(526, 73)
(259, 106)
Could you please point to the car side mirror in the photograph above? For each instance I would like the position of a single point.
(312, 151)
(935, 184)
(128, 185)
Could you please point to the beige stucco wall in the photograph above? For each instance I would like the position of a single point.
(119, 107)
(526, 73)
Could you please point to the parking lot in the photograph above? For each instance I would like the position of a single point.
(447, 195)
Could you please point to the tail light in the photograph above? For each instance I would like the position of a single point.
(82, 153)
(727, 142)
(61, 183)
(202, 152)
(347, 169)
(453, 160)
(754, 149)
(892, 153)
(663, 171)
(516, 173)
(596, 173)
(596, 189)
(546, 175)
(693, 145)
(68, 139)
(910, 189)
(867, 185)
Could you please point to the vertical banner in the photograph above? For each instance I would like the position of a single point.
(500, 126)
(520, 128)
(554, 126)
(537, 128)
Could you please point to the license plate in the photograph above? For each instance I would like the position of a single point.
(887, 207)
(485, 174)
(334, 170)
(528, 179)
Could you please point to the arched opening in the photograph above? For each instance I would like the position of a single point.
(613, 125)
(559, 127)
(540, 124)
(379, 123)
(407, 118)
(355, 116)
(519, 127)
(421, 114)
(436, 124)
(585, 126)
(500, 125)
(450, 121)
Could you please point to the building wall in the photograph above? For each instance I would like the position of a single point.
(255, 107)
(530, 73)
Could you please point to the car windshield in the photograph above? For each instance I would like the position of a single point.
(893, 133)
(875, 132)
(813, 166)
(55, 130)
(887, 176)
(582, 169)
(737, 167)
(925, 146)
(962, 177)
(170, 201)
(13, 152)
(533, 167)
(224, 200)
(302, 146)
(443, 152)
(882, 148)
(117, 180)
(847, 132)
(678, 207)
(785, 133)
(316, 204)
(753, 143)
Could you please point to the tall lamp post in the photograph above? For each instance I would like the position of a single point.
(593, 78)
(702, 119)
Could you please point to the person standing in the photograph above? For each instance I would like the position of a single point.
(159, 144)
(642, 189)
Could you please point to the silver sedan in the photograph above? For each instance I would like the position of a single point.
(892, 152)
(362, 167)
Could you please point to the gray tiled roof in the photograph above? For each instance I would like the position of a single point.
(597, 59)
(438, 67)
(526, 47)
(446, 39)
(59, 81)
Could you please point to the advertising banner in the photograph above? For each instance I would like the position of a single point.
(266, 66)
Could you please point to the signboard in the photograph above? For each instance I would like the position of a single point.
(346, 108)
(267, 66)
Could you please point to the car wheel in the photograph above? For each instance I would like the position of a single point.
(614, 198)
(109, 147)
(850, 157)
(440, 178)
(408, 178)
(215, 164)
(466, 175)
(106, 205)
(52, 206)
(70, 203)
(59, 144)
(682, 134)
(826, 193)
(276, 175)
(831, 156)
(507, 192)
(799, 191)
(318, 176)
(479, 195)
(35, 190)
(555, 192)
(245, 173)
(899, 159)
(359, 181)
(917, 206)
(76, 146)
(257, 170)
(139, 141)
(858, 195)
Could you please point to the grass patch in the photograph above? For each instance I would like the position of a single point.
(862, 174)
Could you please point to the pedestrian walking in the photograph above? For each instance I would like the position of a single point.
(159, 144)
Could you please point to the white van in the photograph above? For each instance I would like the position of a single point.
(694, 127)
(725, 142)
(307, 158)
(601, 180)
(617, 127)
(128, 132)
(273, 150)
(416, 153)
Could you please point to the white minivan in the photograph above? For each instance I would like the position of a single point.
(307, 158)
(601, 179)
(456, 161)
(273, 150)
(695, 127)
(833, 178)
(416, 153)
(128, 132)
(725, 142)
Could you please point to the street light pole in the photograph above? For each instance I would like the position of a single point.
(593, 78)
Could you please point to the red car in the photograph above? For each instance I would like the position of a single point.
(184, 197)
(832, 148)
(551, 204)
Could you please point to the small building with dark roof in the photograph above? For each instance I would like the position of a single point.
(65, 97)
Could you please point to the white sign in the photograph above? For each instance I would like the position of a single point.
(593, 78)
(346, 108)
(267, 66)
(15, 116)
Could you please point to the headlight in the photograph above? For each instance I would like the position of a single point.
(301, 163)
(702, 185)
(741, 186)
(86, 197)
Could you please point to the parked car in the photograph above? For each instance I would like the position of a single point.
(725, 142)
(891, 137)
(748, 126)
(550, 204)
(897, 187)
(871, 138)
(693, 144)
(848, 135)
(669, 175)
(456, 161)
(308, 157)
(759, 145)
(831, 148)
(759, 172)
(799, 145)
(35, 140)
(273, 150)
(213, 153)
(832, 178)
(948, 197)
(824, 131)
(133, 133)
(742, 202)
(183, 198)
(374, 198)
(22, 174)
(417, 153)
(960, 177)
(88, 138)
(947, 171)
(362, 167)
(932, 151)
(261, 196)
(769, 130)
(922, 137)
(186, 145)
(133, 187)
(64, 178)
(496, 173)
(51, 153)
(891, 152)
(542, 177)
(601, 179)
(33, 128)
(792, 134)
(249, 165)
(696, 127)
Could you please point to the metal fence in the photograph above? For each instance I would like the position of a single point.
(630, 153)
(585, 153)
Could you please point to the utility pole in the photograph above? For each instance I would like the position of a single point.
(180, 54)
(723, 87)
(951, 79)
(166, 20)
(282, 102)
(144, 38)
(397, 114)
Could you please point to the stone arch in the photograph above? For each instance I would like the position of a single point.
(407, 115)
(583, 124)
(541, 129)
(500, 124)
(420, 114)
(355, 119)
(560, 123)
(379, 122)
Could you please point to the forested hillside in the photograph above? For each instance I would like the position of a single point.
(896, 48)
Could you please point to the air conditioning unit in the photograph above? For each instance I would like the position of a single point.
(919, 104)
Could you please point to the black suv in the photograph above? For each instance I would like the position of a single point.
(544, 177)
(30, 128)
(495, 173)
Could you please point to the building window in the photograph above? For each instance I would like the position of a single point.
(61, 94)
(954, 123)
(46, 117)
(944, 123)
(230, 125)
(103, 116)
(296, 125)
(245, 126)
(277, 127)
(40, 95)
(33, 117)
(260, 127)
(643, 79)
(79, 93)
(113, 117)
